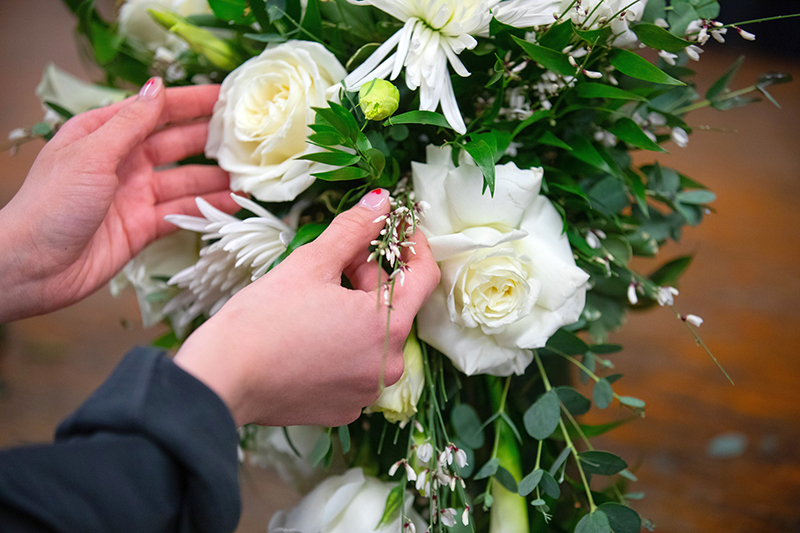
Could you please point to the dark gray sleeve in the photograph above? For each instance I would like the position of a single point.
(153, 449)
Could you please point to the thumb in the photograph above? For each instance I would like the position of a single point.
(133, 122)
(350, 233)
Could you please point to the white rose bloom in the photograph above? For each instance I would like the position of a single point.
(274, 451)
(260, 122)
(136, 24)
(398, 403)
(509, 280)
(350, 503)
(149, 271)
(73, 94)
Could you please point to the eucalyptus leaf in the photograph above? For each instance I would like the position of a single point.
(602, 463)
(575, 402)
(542, 418)
(621, 518)
(344, 438)
(602, 394)
(549, 485)
(595, 522)
(697, 197)
(488, 469)
(630, 401)
(320, 449)
(529, 482)
(506, 479)
(467, 425)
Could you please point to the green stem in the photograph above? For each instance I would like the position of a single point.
(754, 21)
(706, 103)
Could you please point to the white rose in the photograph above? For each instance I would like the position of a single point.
(260, 122)
(398, 403)
(73, 94)
(271, 449)
(136, 24)
(350, 503)
(149, 271)
(509, 280)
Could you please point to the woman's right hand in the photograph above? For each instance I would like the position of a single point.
(297, 348)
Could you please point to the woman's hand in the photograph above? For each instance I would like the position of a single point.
(93, 198)
(296, 347)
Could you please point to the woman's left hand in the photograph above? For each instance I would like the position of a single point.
(94, 199)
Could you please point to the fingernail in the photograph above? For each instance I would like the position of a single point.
(375, 199)
(151, 89)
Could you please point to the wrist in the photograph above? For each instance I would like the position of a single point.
(21, 296)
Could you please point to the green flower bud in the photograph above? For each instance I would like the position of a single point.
(379, 99)
(201, 41)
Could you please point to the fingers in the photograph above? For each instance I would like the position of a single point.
(187, 206)
(176, 143)
(421, 278)
(189, 180)
(182, 103)
(347, 238)
(132, 123)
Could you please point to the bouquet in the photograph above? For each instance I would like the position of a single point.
(504, 131)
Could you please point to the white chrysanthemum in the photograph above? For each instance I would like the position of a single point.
(242, 252)
(434, 34)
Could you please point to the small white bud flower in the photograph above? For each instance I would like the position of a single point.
(746, 35)
(16, 134)
(632, 297)
(668, 57)
(410, 527)
(394, 468)
(461, 458)
(448, 516)
(694, 320)
(465, 516)
(422, 483)
(411, 475)
(694, 52)
(718, 35)
(680, 137)
(425, 453)
(420, 429)
(661, 23)
(592, 74)
(573, 62)
(666, 295)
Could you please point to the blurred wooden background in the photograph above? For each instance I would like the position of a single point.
(744, 282)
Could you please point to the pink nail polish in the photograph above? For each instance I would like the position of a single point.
(151, 88)
(375, 199)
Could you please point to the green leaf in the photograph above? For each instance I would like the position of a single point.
(488, 469)
(697, 197)
(266, 37)
(549, 485)
(550, 59)
(602, 394)
(630, 401)
(658, 38)
(484, 159)
(506, 479)
(529, 482)
(602, 463)
(619, 248)
(681, 15)
(342, 174)
(630, 132)
(622, 518)
(605, 348)
(333, 119)
(337, 158)
(229, 9)
(419, 117)
(320, 450)
(575, 402)
(567, 342)
(721, 85)
(344, 438)
(583, 150)
(305, 234)
(65, 113)
(609, 195)
(600, 90)
(312, 20)
(392, 509)
(536, 117)
(637, 67)
(541, 419)
(595, 522)
(327, 139)
(550, 139)
(104, 43)
(467, 425)
(42, 129)
(655, 9)
(670, 273)
(276, 9)
(376, 159)
(511, 425)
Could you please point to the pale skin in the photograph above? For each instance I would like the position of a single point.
(293, 348)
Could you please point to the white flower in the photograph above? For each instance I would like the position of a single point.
(73, 94)
(272, 450)
(149, 271)
(136, 24)
(399, 401)
(434, 33)
(680, 137)
(425, 453)
(632, 297)
(694, 320)
(509, 279)
(448, 516)
(260, 122)
(243, 252)
(666, 295)
(746, 34)
(461, 458)
(350, 503)
(694, 52)
(527, 13)
(17, 134)
(668, 57)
